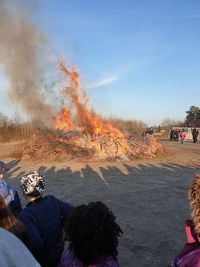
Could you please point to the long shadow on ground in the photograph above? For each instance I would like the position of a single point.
(150, 203)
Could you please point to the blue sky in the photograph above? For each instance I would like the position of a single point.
(139, 59)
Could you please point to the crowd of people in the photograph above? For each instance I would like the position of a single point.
(35, 236)
(180, 135)
(148, 134)
(38, 232)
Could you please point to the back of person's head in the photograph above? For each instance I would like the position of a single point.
(32, 184)
(7, 219)
(12, 224)
(194, 196)
(92, 232)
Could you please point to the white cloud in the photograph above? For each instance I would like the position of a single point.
(103, 82)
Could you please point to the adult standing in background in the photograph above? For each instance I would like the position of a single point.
(151, 133)
(195, 134)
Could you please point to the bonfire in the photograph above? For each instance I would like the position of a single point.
(80, 133)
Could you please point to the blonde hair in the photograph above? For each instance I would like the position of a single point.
(194, 197)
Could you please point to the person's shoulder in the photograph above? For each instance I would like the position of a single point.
(65, 206)
(49, 198)
(26, 212)
(68, 259)
(108, 262)
(13, 252)
(191, 259)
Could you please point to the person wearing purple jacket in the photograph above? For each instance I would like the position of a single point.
(44, 219)
(190, 254)
(93, 234)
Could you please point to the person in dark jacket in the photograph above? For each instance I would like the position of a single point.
(195, 134)
(44, 218)
(9, 194)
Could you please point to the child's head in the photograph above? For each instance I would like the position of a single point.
(3, 170)
(194, 196)
(32, 184)
(92, 232)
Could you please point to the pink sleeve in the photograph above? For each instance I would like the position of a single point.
(190, 238)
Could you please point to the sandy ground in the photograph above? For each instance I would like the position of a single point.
(148, 197)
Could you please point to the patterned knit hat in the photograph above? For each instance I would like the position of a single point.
(32, 184)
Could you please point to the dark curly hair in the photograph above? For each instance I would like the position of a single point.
(92, 232)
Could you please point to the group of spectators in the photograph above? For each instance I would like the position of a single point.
(36, 235)
(148, 134)
(180, 135)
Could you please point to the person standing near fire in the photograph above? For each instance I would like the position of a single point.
(151, 133)
(182, 135)
(195, 134)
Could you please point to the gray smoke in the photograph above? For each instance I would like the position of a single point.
(20, 47)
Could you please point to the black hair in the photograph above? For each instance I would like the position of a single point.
(92, 232)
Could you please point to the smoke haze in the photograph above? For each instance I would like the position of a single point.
(20, 43)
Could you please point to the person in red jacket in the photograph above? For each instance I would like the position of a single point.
(182, 136)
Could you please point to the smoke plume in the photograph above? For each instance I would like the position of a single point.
(20, 44)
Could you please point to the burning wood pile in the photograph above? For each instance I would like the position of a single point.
(80, 133)
(78, 146)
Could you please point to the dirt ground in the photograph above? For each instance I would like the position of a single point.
(148, 197)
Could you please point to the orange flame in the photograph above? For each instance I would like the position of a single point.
(63, 120)
(89, 121)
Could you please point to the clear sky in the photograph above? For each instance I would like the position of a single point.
(139, 59)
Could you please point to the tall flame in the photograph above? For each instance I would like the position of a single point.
(86, 119)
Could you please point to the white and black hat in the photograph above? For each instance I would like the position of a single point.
(32, 184)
